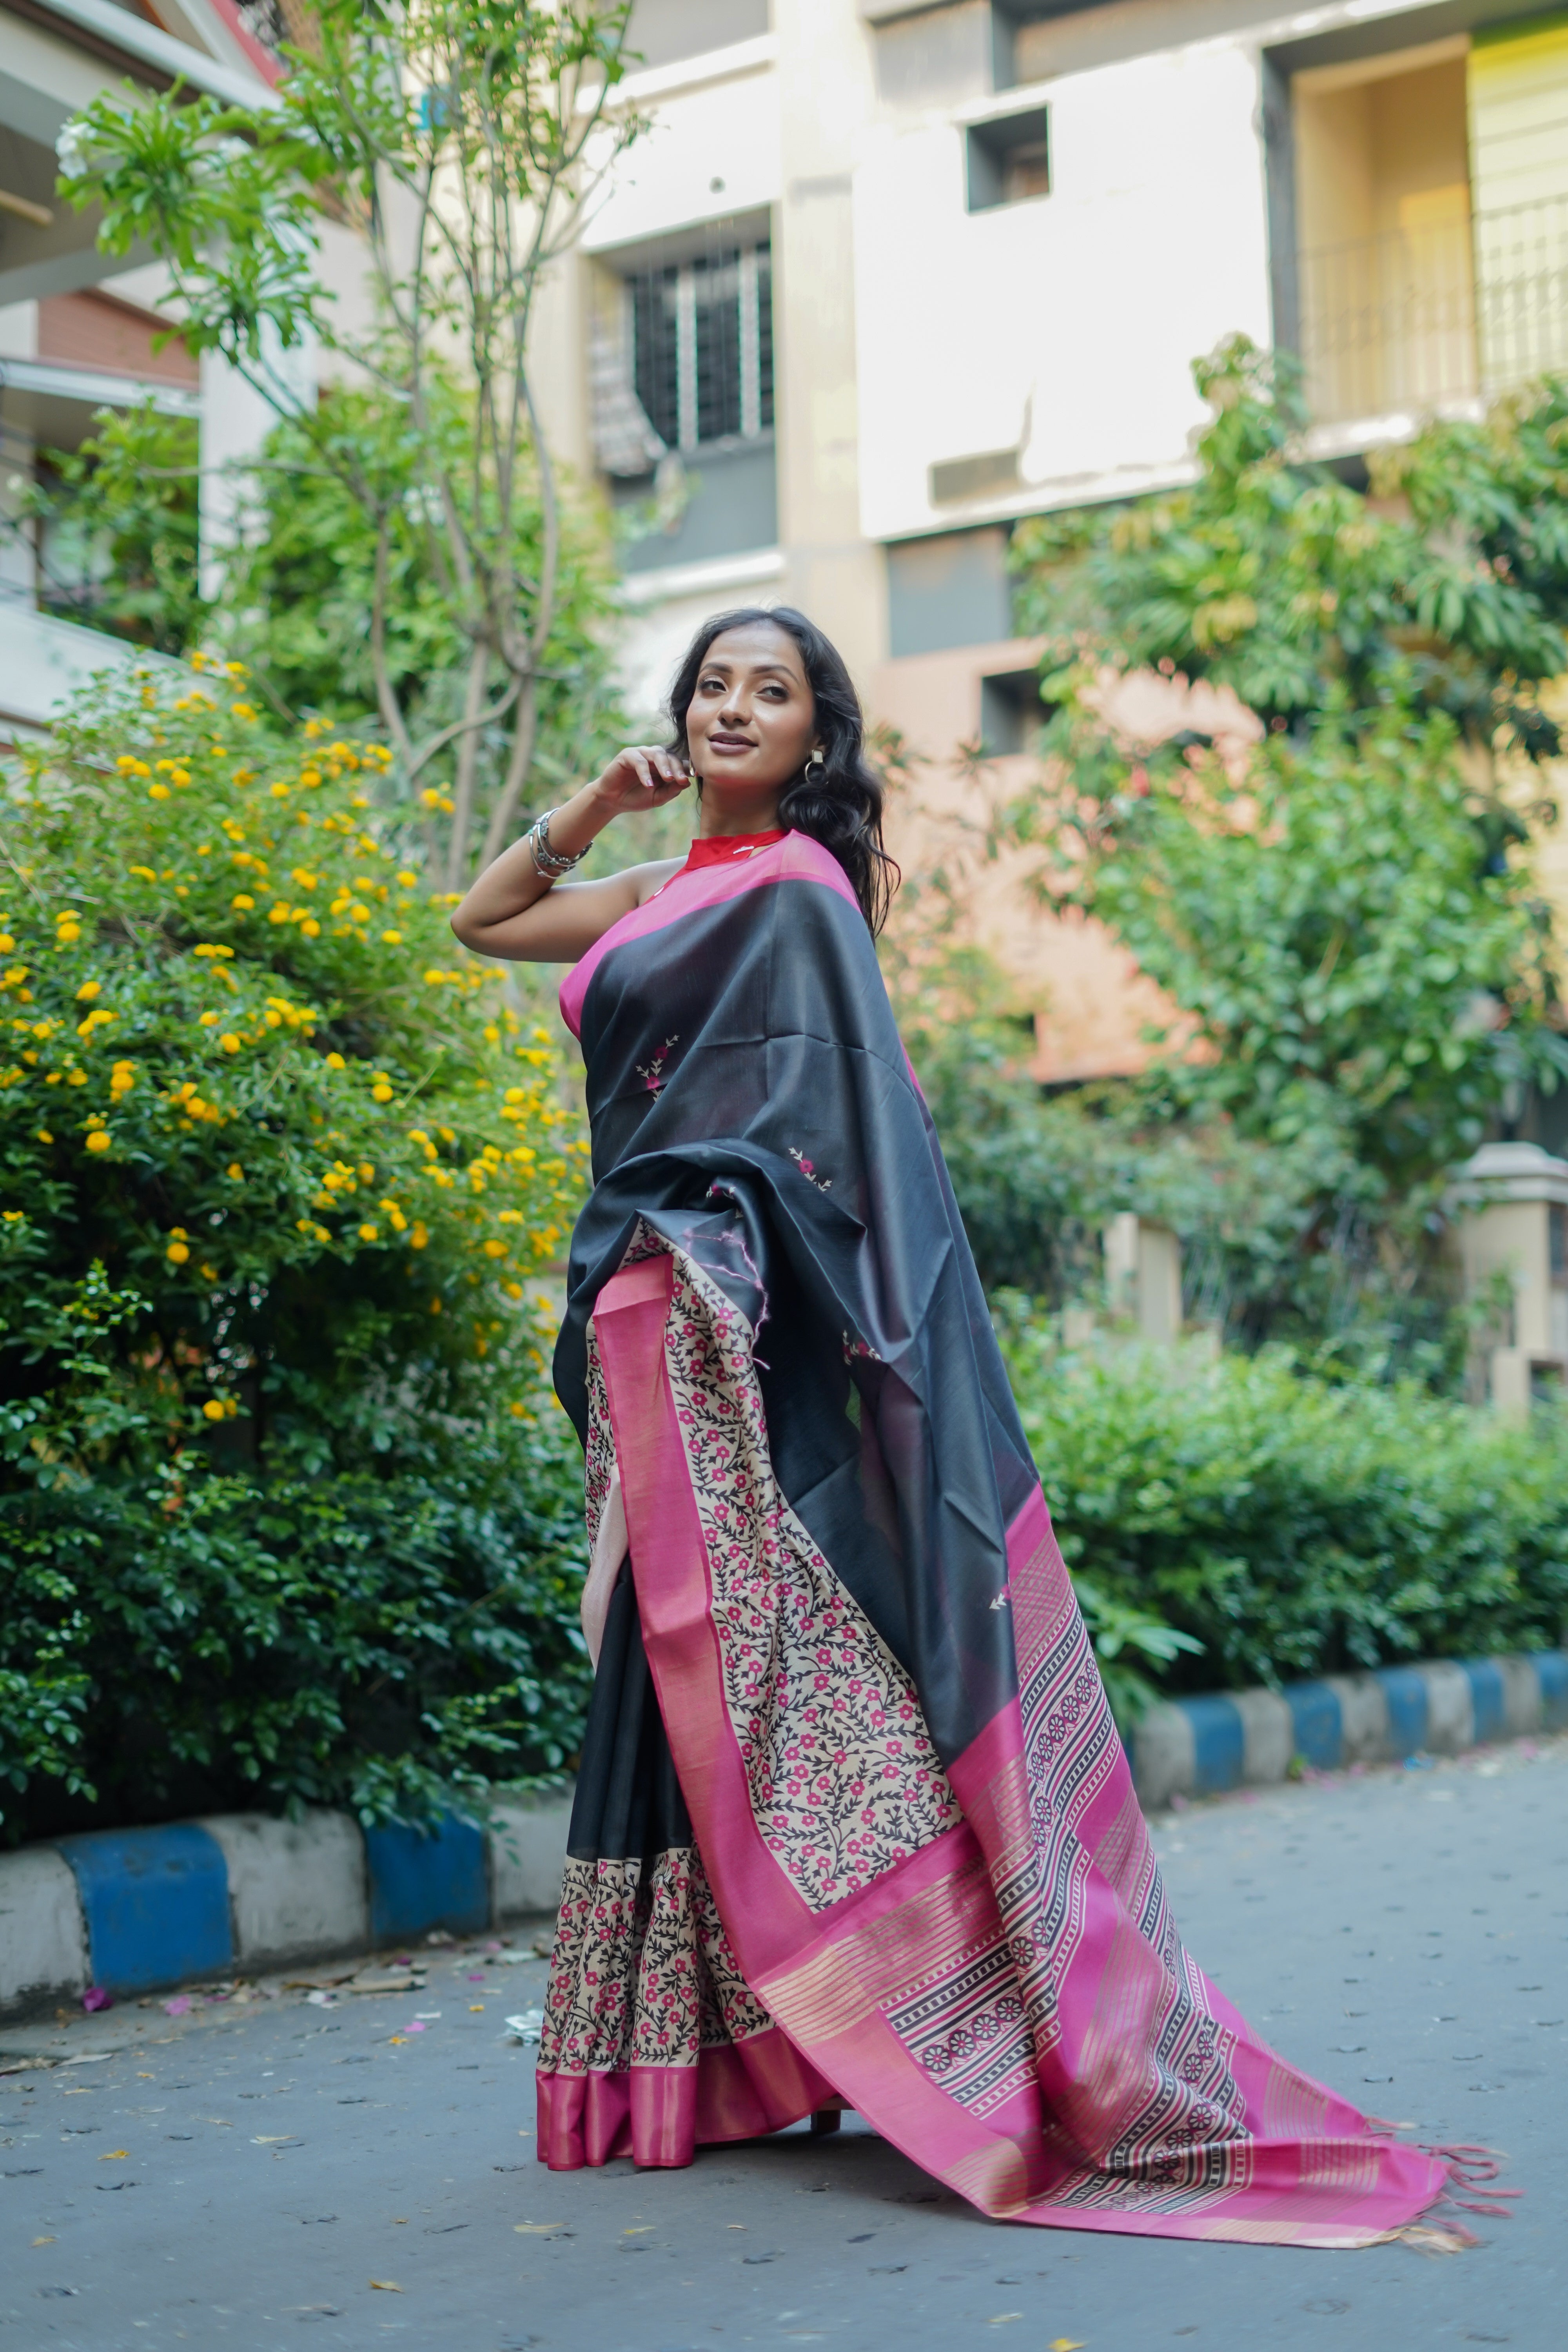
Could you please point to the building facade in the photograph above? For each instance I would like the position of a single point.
(79, 330)
(881, 278)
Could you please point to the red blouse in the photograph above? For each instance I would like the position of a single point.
(721, 847)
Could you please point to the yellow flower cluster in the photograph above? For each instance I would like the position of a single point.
(318, 939)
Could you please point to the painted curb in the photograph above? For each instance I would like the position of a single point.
(1236, 1739)
(139, 1910)
(142, 1909)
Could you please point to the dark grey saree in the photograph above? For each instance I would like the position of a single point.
(853, 1822)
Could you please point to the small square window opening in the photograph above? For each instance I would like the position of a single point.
(1008, 160)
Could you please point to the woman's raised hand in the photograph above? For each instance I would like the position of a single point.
(643, 776)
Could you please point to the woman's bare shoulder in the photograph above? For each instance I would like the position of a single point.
(649, 879)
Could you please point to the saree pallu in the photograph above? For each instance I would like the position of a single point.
(853, 1825)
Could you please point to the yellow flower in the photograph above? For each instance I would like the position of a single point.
(366, 1171)
(517, 1409)
(44, 1136)
(157, 791)
(234, 1170)
(336, 1062)
(230, 1042)
(242, 709)
(278, 912)
(66, 936)
(88, 991)
(97, 1139)
(308, 776)
(207, 949)
(513, 1289)
(12, 1216)
(381, 1093)
(177, 1253)
(310, 928)
(419, 1237)
(213, 1409)
(407, 879)
(8, 944)
(242, 902)
(392, 939)
(370, 1233)
(495, 1249)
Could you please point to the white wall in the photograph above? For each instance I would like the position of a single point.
(1067, 324)
(715, 119)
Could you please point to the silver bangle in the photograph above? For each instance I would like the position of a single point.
(549, 864)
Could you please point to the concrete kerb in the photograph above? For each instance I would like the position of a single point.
(143, 1910)
(1235, 1739)
(140, 1910)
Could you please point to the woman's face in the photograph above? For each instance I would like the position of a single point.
(752, 721)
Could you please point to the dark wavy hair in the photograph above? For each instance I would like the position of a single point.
(838, 803)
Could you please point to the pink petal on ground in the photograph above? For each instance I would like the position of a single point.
(179, 2006)
(95, 1998)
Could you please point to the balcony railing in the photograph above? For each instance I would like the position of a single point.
(1422, 317)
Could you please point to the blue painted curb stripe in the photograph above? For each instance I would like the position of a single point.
(1487, 1697)
(156, 1904)
(1318, 1727)
(1551, 1674)
(420, 1879)
(1317, 1718)
(1404, 1690)
(1218, 1744)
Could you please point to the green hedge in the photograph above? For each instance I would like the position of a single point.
(1291, 1524)
(286, 1514)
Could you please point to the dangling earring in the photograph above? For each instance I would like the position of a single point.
(817, 762)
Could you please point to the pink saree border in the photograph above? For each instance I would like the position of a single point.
(660, 2115)
(1012, 2163)
(795, 858)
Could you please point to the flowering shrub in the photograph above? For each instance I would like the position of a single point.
(286, 1509)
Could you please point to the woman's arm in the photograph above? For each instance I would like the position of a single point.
(516, 912)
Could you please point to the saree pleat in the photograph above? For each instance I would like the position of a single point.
(854, 1824)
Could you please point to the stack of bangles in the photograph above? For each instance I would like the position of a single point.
(549, 864)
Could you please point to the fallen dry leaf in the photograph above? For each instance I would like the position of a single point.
(387, 2286)
(537, 2229)
(45, 2242)
(115, 2156)
(272, 2140)
(1065, 2343)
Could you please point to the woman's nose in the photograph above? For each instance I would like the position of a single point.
(736, 709)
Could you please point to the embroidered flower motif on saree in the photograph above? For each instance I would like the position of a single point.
(652, 1072)
(808, 1169)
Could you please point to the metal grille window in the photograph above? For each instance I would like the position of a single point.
(702, 347)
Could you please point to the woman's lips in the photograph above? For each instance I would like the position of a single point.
(730, 743)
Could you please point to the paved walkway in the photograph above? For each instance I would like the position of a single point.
(277, 2173)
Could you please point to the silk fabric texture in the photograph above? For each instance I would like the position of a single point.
(853, 1822)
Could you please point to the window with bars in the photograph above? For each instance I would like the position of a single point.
(702, 347)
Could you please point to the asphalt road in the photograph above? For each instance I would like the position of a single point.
(242, 2177)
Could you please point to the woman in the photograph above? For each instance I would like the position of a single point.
(853, 1826)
